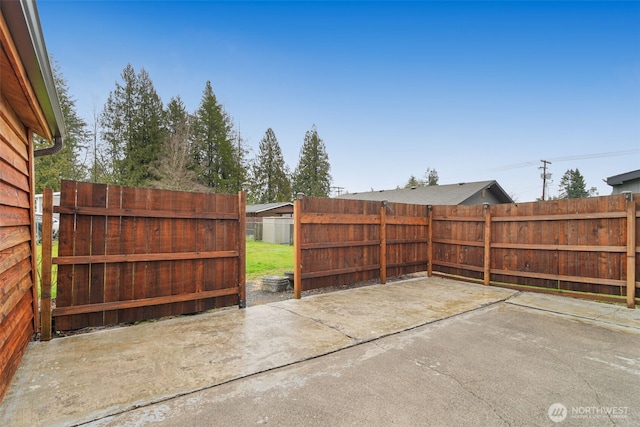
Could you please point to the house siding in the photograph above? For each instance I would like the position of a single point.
(17, 287)
(484, 196)
(631, 185)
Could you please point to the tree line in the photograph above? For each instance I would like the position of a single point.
(137, 141)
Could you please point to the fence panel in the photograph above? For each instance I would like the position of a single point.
(341, 241)
(581, 247)
(569, 246)
(132, 254)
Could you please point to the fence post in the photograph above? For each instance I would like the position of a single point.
(45, 279)
(631, 250)
(383, 242)
(242, 248)
(297, 250)
(429, 240)
(487, 243)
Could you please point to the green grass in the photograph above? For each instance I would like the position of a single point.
(263, 259)
(54, 268)
(268, 259)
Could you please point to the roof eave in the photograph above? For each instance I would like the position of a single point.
(24, 24)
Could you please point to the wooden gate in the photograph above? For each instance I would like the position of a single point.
(132, 254)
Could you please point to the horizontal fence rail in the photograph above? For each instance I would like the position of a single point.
(132, 254)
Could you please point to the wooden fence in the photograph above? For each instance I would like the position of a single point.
(578, 247)
(132, 254)
(341, 241)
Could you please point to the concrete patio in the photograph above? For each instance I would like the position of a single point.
(488, 356)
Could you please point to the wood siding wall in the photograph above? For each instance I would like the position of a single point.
(132, 254)
(340, 241)
(17, 266)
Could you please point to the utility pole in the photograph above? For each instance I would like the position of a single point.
(545, 176)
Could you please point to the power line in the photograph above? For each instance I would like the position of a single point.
(568, 158)
(594, 156)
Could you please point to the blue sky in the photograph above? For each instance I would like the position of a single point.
(476, 90)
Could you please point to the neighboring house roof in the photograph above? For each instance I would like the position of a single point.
(450, 194)
(23, 22)
(625, 182)
(623, 177)
(266, 207)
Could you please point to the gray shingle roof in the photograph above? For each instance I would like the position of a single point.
(450, 194)
(266, 207)
(623, 177)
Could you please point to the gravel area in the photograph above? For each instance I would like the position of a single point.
(256, 296)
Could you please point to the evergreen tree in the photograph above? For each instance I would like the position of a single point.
(217, 151)
(311, 176)
(413, 182)
(133, 128)
(573, 185)
(271, 182)
(65, 164)
(430, 178)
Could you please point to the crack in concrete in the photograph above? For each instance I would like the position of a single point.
(581, 378)
(321, 322)
(465, 388)
(355, 342)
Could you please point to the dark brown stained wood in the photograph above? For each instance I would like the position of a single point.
(144, 213)
(242, 250)
(16, 331)
(576, 245)
(13, 236)
(20, 116)
(127, 246)
(163, 243)
(113, 237)
(487, 245)
(81, 245)
(14, 255)
(14, 177)
(12, 196)
(47, 229)
(13, 217)
(342, 241)
(321, 245)
(98, 194)
(18, 284)
(134, 268)
(145, 302)
(16, 87)
(14, 139)
(297, 249)
(64, 281)
(383, 244)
